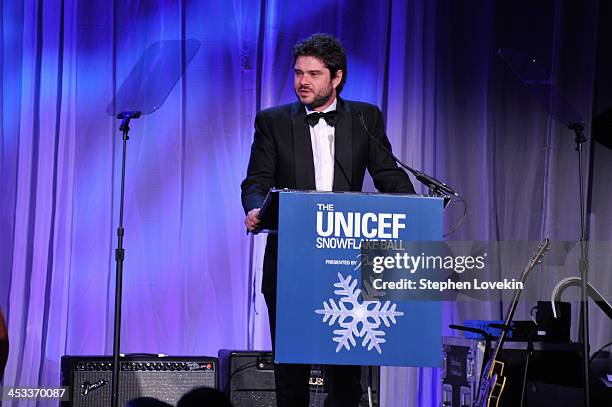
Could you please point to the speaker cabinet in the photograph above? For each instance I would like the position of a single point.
(89, 378)
(248, 379)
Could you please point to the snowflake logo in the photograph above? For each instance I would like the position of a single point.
(357, 319)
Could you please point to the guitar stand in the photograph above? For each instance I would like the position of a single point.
(528, 355)
(527, 358)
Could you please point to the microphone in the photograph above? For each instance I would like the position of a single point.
(438, 187)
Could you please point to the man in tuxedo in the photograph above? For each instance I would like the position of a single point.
(316, 143)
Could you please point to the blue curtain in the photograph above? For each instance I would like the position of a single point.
(190, 286)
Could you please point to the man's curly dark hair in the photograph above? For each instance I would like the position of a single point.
(328, 49)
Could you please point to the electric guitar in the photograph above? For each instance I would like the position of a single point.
(492, 380)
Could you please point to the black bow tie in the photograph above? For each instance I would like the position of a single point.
(330, 118)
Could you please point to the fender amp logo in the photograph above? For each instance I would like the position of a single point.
(87, 387)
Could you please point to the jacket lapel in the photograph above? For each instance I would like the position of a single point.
(343, 148)
(302, 149)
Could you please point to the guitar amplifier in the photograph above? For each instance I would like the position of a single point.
(248, 379)
(461, 364)
(166, 378)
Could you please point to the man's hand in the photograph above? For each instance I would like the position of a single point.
(252, 219)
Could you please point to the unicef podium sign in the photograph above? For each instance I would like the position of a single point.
(323, 313)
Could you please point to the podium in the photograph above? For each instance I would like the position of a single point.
(322, 315)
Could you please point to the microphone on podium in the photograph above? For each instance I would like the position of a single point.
(438, 187)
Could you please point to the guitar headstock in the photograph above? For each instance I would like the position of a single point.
(536, 259)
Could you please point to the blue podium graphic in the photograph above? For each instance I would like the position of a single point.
(322, 314)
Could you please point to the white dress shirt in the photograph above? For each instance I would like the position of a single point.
(322, 141)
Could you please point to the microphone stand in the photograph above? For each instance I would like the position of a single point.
(583, 263)
(119, 256)
(540, 85)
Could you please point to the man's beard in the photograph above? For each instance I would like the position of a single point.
(321, 98)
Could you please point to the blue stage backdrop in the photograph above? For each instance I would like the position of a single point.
(452, 109)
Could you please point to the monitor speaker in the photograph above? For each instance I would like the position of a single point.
(247, 377)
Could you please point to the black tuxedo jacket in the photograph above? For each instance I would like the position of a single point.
(281, 157)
